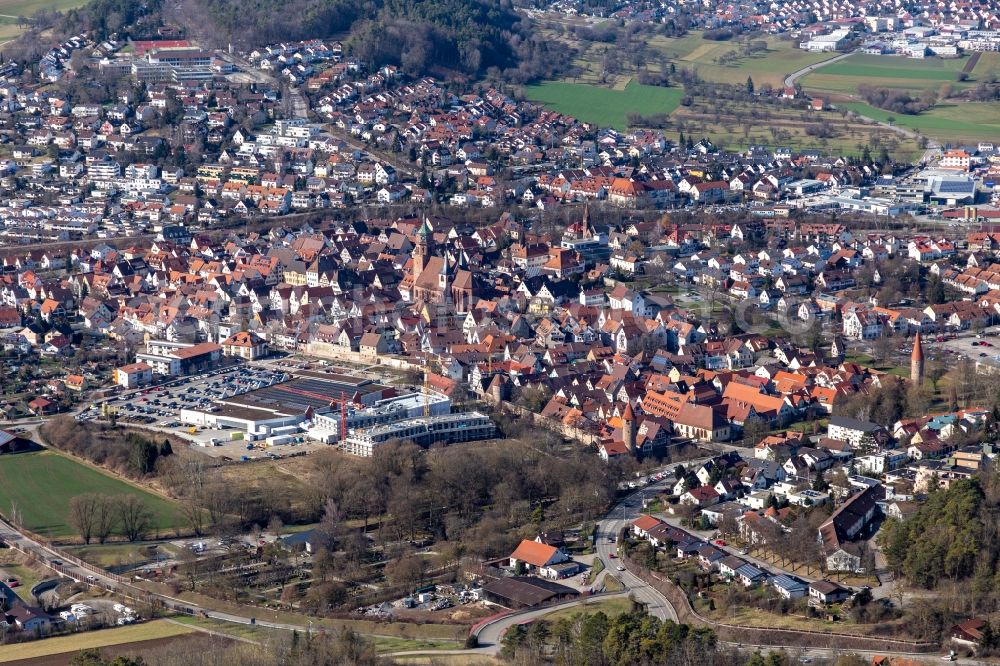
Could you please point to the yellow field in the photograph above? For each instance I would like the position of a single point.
(92, 639)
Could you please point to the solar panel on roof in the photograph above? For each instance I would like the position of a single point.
(955, 186)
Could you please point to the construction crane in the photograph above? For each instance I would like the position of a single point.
(331, 403)
(427, 394)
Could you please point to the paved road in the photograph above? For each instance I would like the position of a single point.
(618, 518)
(299, 105)
(795, 76)
(491, 634)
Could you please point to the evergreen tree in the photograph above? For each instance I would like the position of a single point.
(819, 483)
(749, 85)
(989, 638)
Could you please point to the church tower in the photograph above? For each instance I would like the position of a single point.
(917, 362)
(629, 428)
(443, 277)
(423, 249)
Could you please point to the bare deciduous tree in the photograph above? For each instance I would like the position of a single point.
(105, 517)
(134, 517)
(82, 515)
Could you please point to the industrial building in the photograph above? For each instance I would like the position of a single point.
(258, 423)
(834, 41)
(295, 402)
(951, 191)
(525, 592)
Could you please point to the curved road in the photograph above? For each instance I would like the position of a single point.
(628, 509)
(621, 517)
(795, 76)
(933, 148)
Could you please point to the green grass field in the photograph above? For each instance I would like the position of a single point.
(691, 51)
(988, 66)
(845, 76)
(946, 122)
(863, 66)
(962, 122)
(42, 484)
(603, 106)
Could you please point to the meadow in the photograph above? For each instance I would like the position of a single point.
(40, 485)
(966, 122)
(604, 107)
(736, 126)
(845, 76)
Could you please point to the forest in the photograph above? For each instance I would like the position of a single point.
(631, 638)
(448, 38)
(952, 537)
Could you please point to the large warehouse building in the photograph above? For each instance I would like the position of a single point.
(310, 404)
(291, 403)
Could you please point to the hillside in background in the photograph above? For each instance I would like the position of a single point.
(464, 37)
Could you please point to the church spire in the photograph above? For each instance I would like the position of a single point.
(422, 251)
(425, 230)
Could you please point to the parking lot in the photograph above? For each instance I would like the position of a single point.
(982, 348)
(158, 407)
(161, 405)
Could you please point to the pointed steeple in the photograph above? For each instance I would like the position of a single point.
(423, 249)
(425, 230)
